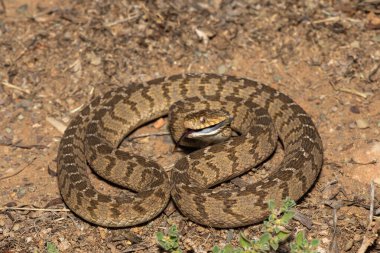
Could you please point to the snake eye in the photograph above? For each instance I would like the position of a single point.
(202, 119)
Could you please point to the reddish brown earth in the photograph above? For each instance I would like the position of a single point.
(55, 56)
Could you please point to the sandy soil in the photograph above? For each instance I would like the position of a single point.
(55, 56)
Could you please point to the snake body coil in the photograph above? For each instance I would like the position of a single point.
(94, 134)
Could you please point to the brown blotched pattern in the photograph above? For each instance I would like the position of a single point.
(95, 133)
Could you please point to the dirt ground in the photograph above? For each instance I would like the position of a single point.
(55, 56)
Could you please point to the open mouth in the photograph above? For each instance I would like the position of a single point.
(208, 131)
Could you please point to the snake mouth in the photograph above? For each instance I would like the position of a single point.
(208, 131)
(204, 132)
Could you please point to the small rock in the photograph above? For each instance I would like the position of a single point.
(352, 125)
(70, 101)
(354, 109)
(94, 59)
(325, 240)
(16, 227)
(348, 245)
(204, 35)
(21, 192)
(334, 109)
(20, 117)
(28, 239)
(355, 44)
(159, 123)
(357, 238)
(222, 69)
(362, 123)
(25, 103)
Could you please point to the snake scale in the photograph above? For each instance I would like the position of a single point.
(92, 138)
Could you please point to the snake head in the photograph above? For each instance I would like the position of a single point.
(207, 127)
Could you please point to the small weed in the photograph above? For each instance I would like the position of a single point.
(51, 248)
(169, 242)
(302, 245)
(274, 233)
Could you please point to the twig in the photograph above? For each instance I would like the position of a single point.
(372, 201)
(370, 236)
(374, 225)
(16, 145)
(9, 85)
(303, 219)
(351, 91)
(373, 72)
(3, 6)
(133, 249)
(42, 13)
(334, 244)
(18, 171)
(57, 124)
(359, 163)
(335, 19)
(35, 209)
(147, 135)
(326, 20)
(130, 18)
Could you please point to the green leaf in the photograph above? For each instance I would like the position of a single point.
(274, 244)
(282, 236)
(244, 242)
(228, 249)
(51, 248)
(287, 216)
(264, 238)
(271, 205)
(300, 237)
(159, 236)
(314, 243)
(288, 203)
(216, 250)
(173, 232)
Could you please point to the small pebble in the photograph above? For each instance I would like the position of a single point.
(70, 101)
(21, 192)
(334, 108)
(25, 103)
(222, 69)
(348, 245)
(355, 44)
(16, 227)
(362, 123)
(354, 109)
(28, 239)
(20, 117)
(357, 238)
(8, 130)
(352, 125)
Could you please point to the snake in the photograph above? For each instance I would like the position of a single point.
(91, 142)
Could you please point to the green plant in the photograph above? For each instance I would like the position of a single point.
(302, 245)
(274, 233)
(51, 248)
(169, 242)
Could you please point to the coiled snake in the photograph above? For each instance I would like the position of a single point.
(94, 134)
